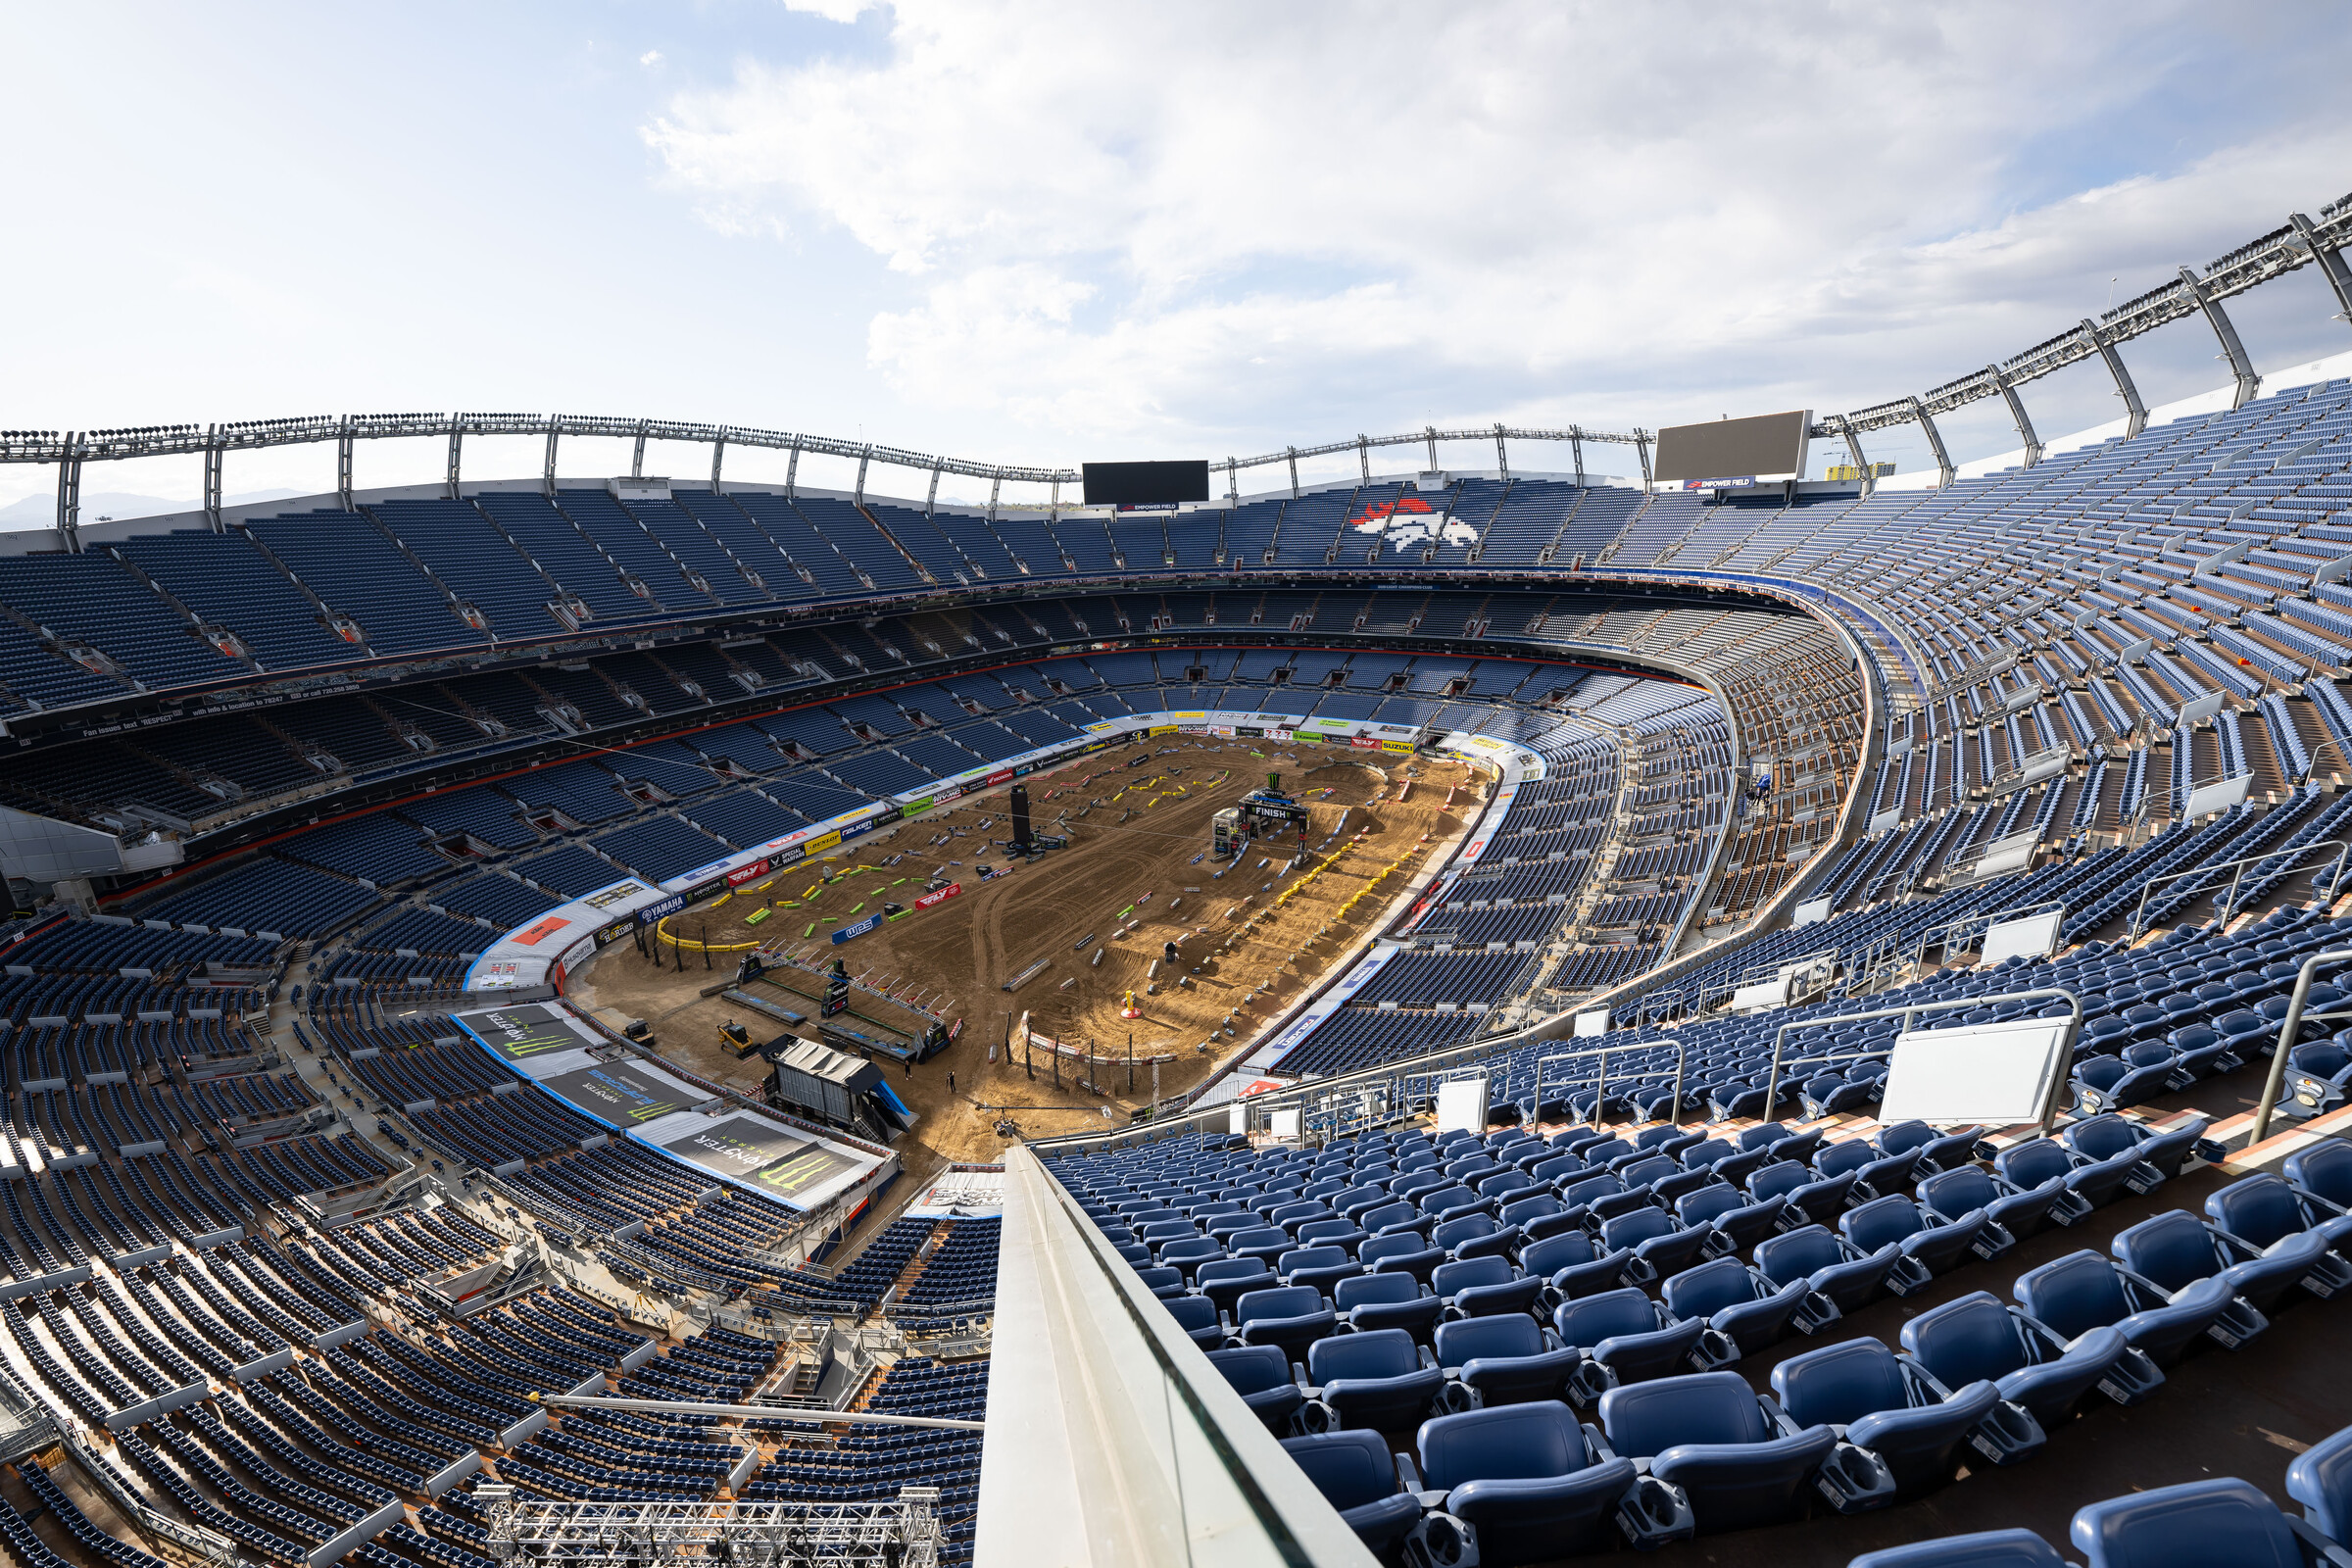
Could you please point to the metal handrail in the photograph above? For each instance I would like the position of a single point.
(1780, 1037)
(2341, 847)
(1601, 1091)
(2288, 1027)
(1804, 964)
(1771, 969)
(1926, 938)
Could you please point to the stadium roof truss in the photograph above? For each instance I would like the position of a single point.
(2299, 242)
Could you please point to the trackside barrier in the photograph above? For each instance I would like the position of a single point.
(1780, 1037)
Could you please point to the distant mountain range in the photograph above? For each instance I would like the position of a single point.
(40, 512)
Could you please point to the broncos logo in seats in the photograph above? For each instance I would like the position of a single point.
(1410, 523)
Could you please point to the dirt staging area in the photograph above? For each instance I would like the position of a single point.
(1138, 823)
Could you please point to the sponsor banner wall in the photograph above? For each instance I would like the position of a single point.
(518, 1034)
(548, 1044)
(792, 1166)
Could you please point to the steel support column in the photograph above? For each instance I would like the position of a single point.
(931, 500)
(2332, 266)
(2135, 413)
(2017, 413)
(1233, 482)
(68, 495)
(547, 477)
(212, 478)
(718, 454)
(1293, 451)
(457, 446)
(1642, 445)
(2248, 383)
(996, 486)
(1502, 459)
(863, 457)
(1430, 433)
(792, 471)
(637, 456)
(1853, 445)
(1363, 455)
(1943, 459)
(1576, 449)
(343, 443)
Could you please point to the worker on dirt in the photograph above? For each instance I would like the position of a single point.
(950, 1083)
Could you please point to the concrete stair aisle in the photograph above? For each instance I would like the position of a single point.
(917, 1263)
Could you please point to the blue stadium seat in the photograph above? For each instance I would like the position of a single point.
(2189, 1526)
(1630, 1339)
(1735, 1463)
(2321, 1480)
(1196, 1315)
(2324, 1170)
(1950, 1194)
(1571, 1265)
(1988, 1549)
(1261, 1375)
(2174, 1249)
(1526, 1479)
(2082, 1291)
(1398, 1300)
(1478, 1286)
(2265, 1210)
(1919, 1428)
(1842, 1273)
(1743, 1306)
(1289, 1317)
(1358, 1476)
(1507, 1360)
(1930, 1242)
(1977, 1338)
(1377, 1379)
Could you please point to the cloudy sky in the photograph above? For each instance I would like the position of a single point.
(1040, 234)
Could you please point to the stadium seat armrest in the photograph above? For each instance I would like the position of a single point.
(1855, 1480)
(2317, 1548)
(1653, 1513)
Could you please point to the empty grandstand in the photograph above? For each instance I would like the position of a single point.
(1576, 1195)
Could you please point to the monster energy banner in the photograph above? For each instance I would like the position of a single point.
(623, 1094)
(519, 1033)
(759, 1153)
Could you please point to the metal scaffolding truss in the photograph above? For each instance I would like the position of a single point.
(529, 1531)
(2297, 243)
(2300, 242)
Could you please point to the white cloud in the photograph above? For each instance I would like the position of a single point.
(841, 11)
(1219, 222)
(651, 56)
